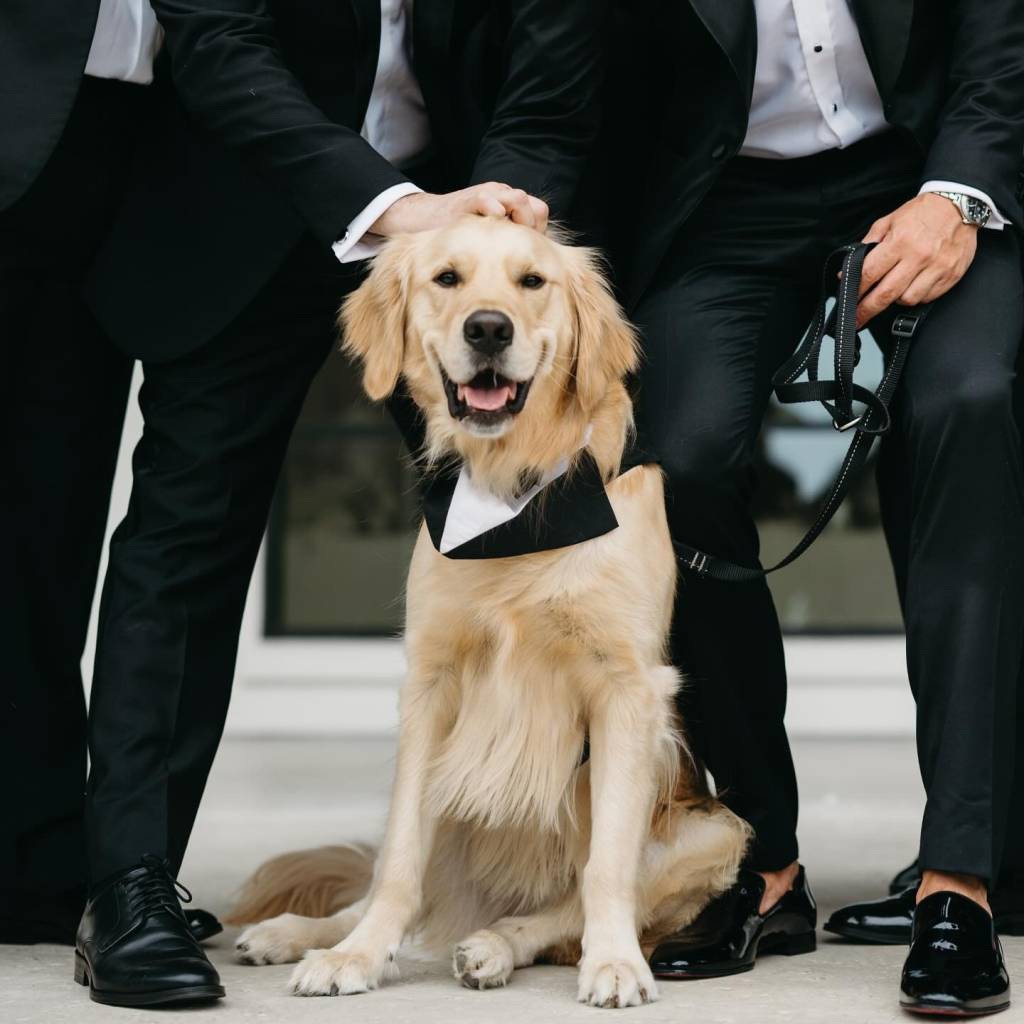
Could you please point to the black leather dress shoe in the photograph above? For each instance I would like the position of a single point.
(908, 878)
(135, 947)
(202, 924)
(955, 966)
(730, 933)
(887, 921)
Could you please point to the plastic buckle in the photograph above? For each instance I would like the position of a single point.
(699, 563)
(842, 428)
(904, 325)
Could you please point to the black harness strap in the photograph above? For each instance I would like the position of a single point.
(836, 396)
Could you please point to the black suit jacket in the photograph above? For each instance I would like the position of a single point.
(43, 48)
(259, 139)
(950, 74)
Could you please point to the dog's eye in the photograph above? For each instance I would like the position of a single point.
(531, 281)
(447, 279)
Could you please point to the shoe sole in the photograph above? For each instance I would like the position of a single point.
(940, 1010)
(167, 997)
(795, 945)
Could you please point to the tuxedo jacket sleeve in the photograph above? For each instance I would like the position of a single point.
(547, 114)
(980, 137)
(231, 78)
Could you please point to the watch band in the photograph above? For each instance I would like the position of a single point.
(973, 211)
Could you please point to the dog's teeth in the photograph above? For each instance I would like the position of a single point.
(512, 389)
(461, 392)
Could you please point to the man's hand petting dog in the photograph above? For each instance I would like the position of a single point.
(924, 248)
(423, 211)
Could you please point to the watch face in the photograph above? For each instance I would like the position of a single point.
(978, 211)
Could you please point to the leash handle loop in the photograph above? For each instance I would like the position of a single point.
(841, 275)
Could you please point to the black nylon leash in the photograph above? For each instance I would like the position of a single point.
(837, 396)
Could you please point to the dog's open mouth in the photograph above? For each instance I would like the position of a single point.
(487, 397)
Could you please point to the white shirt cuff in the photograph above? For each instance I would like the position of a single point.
(356, 243)
(997, 221)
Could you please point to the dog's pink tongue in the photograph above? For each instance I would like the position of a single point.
(486, 399)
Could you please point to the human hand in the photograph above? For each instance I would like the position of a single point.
(923, 249)
(422, 211)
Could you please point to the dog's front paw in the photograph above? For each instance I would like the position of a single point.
(279, 940)
(613, 983)
(337, 972)
(484, 960)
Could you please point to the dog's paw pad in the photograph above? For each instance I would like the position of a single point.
(613, 984)
(484, 960)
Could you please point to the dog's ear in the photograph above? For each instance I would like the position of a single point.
(606, 347)
(372, 319)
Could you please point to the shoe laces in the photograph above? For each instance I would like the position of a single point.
(157, 889)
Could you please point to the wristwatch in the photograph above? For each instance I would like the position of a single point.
(972, 211)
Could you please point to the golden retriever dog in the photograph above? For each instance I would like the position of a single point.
(504, 840)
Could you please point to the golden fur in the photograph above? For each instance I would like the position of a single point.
(499, 839)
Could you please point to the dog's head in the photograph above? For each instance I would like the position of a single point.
(508, 340)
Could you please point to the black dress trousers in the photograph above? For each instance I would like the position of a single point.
(217, 425)
(729, 304)
(64, 392)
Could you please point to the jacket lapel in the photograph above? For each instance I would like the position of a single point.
(733, 24)
(885, 31)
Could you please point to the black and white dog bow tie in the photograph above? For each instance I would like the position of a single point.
(564, 508)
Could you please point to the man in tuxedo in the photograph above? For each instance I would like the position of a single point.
(899, 122)
(70, 113)
(297, 136)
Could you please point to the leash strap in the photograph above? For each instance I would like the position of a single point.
(837, 396)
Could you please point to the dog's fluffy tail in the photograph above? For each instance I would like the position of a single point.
(311, 883)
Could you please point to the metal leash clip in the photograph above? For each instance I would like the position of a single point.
(840, 428)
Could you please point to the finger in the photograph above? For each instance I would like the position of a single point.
(886, 292)
(487, 205)
(928, 285)
(540, 212)
(878, 230)
(517, 203)
(878, 263)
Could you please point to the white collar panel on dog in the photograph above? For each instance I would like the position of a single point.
(474, 511)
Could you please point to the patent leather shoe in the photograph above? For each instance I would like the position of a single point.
(887, 921)
(908, 878)
(955, 966)
(135, 946)
(730, 933)
(202, 924)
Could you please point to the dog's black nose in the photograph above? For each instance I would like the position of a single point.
(488, 331)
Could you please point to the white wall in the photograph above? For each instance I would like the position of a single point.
(838, 686)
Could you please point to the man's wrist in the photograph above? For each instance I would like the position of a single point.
(972, 197)
(973, 212)
(358, 242)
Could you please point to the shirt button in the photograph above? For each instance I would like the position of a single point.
(718, 152)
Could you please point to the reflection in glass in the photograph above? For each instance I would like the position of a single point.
(345, 516)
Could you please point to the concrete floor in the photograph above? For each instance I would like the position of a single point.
(861, 802)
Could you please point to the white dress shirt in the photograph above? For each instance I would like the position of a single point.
(125, 42)
(814, 90)
(396, 124)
